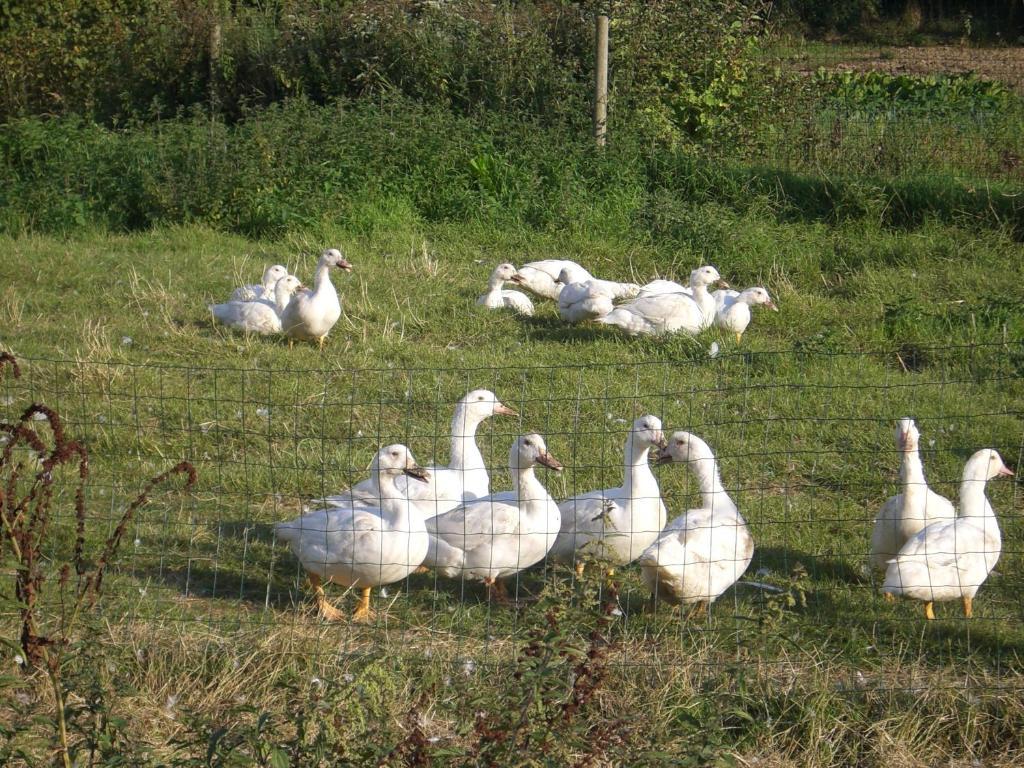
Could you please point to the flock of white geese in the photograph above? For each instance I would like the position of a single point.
(659, 307)
(281, 304)
(405, 518)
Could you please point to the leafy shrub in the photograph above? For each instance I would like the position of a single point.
(688, 70)
(936, 95)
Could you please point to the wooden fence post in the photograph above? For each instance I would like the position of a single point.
(601, 81)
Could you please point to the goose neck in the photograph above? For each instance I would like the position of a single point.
(465, 453)
(322, 281)
(638, 470)
(712, 492)
(526, 486)
(394, 505)
(972, 498)
(912, 473)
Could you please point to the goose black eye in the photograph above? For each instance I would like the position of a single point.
(527, 442)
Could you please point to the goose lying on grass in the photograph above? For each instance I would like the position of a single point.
(733, 311)
(498, 536)
(664, 311)
(917, 507)
(951, 559)
(589, 298)
(498, 298)
(311, 314)
(706, 550)
(615, 525)
(259, 315)
(264, 290)
(363, 547)
(583, 301)
(541, 277)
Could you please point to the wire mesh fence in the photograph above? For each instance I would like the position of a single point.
(806, 452)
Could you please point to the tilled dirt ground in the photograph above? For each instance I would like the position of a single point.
(1003, 64)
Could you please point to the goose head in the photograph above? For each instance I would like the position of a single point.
(529, 450)
(502, 273)
(287, 286)
(705, 276)
(684, 448)
(481, 404)
(332, 258)
(907, 436)
(647, 432)
(274, 273)
(758, 295)
(395, 460)
(986, 464)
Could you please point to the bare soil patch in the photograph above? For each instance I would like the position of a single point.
(1002, 64)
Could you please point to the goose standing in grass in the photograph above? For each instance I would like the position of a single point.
(263, 291)
(464, 479)
(311, 314)
(498, 298)
(732, 313)
(362, 548)
(706, 550)
(615, 525)
(541, 277)
(668, 312)
(259, 315)
(951, 559)
(917, 507)
(497, 536)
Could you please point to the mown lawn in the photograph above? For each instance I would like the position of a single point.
(206, 621)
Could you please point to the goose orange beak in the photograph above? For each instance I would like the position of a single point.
(417, 472)
(550, 462)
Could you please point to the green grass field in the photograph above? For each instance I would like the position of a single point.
(205, 621)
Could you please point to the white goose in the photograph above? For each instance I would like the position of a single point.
(706, 550)
(902, 516)
(732, 313)
(616, 524)
(362, 548)
(588, 300)
(498, 298)
(495, 537)
(464, 479)
(951, 559)
(541, 277)
(669, 312)
(311, 314)
(263, 291)
(259, 315)
(577, 275)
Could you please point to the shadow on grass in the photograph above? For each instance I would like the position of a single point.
(902, 203)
